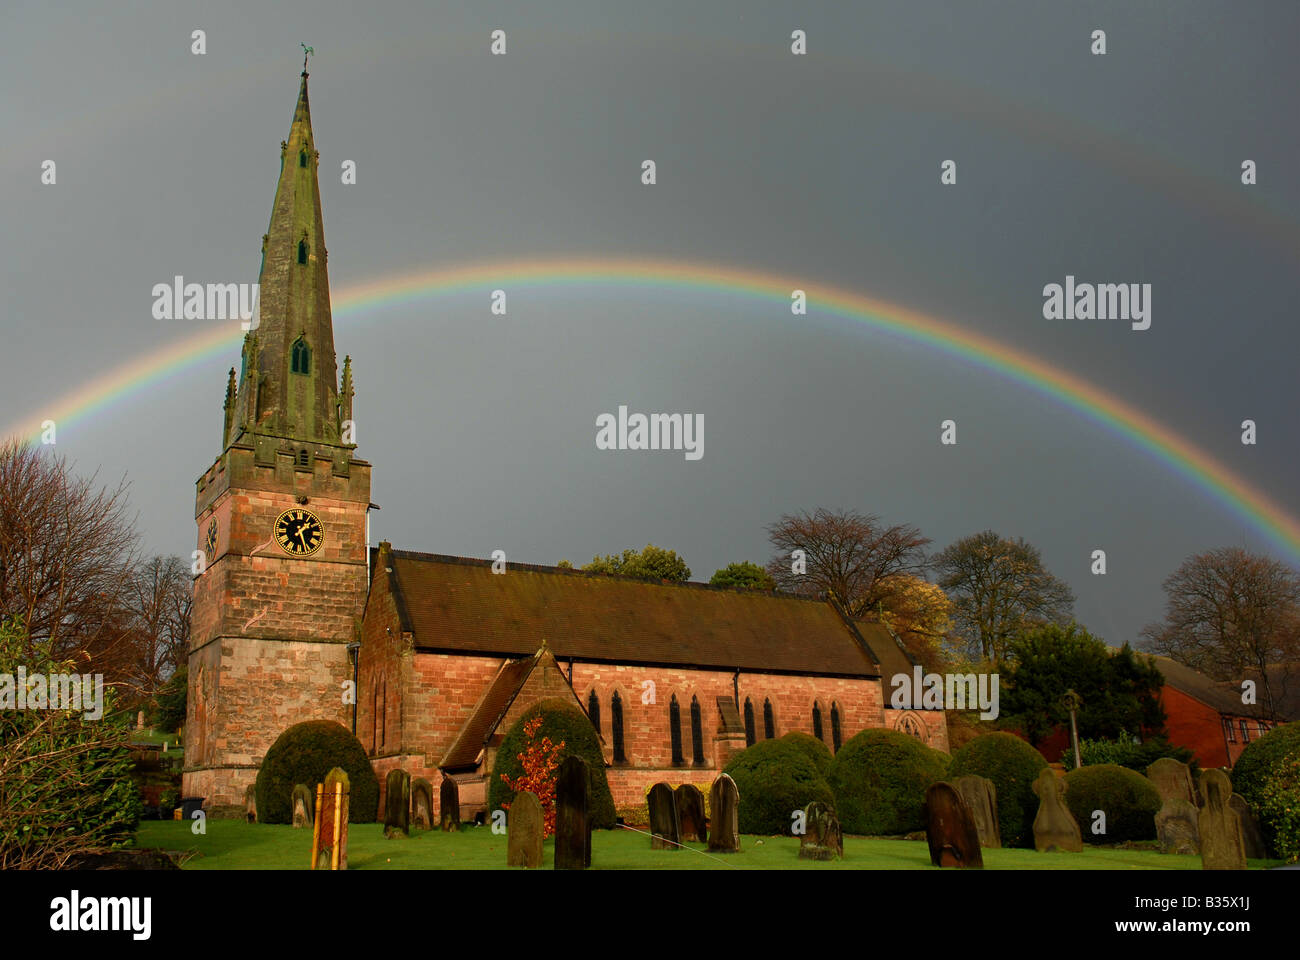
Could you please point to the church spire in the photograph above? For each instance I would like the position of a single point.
(289, 384)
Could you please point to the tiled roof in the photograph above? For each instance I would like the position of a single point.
(1218, 694)
(457, 603)
(469, 742)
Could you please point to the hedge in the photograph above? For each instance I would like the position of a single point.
(1012, 764)
(305, 753)
(1264, 775)
(879, 779)
(774, 779)
(1129, 800)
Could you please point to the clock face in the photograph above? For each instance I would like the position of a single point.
(299, 532)
(210, 543)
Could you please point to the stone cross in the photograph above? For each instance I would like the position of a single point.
(1054, 826)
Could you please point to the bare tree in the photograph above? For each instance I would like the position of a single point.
(850, 553)
(159, 603)
(1233, 615)
(999, 587)
(66, 553)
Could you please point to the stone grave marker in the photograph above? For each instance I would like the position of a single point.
(302, 806)
(139, 720)
(981, 797)
(397, 805)
(724, 824)
(1172, 778)
(822, 839)
(421, 803)
(1176, 829)
(250, 803)
(1222, 844)
(572, 830)
(1251, 835)
(448, 805)
(329, 849)
(950, 829)
(1054, 826)
(690, 813)
(525, 828)
(664, 826)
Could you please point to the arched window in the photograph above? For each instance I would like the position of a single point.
(913, 725)
(817, 720)
(697, 733)
(593, 709)
(616, 723)
(300, 356)
(675, 731)
(835, 727)
(302, 251)
(750, 736)
(769, 721)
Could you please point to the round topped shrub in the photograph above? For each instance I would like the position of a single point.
(774, 779)
(1012, 764)
(305, 753)
(879, 779)
(813, 749)
(1129, 800)
(561, 720)
(1264, 775)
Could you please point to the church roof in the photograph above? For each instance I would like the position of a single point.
(458, 604)
(496, 700)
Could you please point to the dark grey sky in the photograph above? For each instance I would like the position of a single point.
(1122, 168)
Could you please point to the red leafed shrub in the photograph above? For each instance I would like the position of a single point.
(540, 759)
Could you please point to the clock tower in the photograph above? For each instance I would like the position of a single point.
(281, 513)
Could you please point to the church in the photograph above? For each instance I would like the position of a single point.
(429, 659)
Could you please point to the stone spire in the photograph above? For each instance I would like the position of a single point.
(229, 407)
(288, 389)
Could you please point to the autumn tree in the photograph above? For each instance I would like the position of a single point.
(847, 552)
(652, 563)
(920, 614)
(1233, 615)
(744, 576)
(541, 760)
(999, 588)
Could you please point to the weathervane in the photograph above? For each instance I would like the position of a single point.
(306, 52)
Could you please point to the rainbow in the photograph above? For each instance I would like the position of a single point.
(773, 293)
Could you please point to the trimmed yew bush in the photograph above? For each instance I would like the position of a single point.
(879, 779)
(1129, 800)
(1012, 764)
(305, 753)
(775, 778)
(812, 748)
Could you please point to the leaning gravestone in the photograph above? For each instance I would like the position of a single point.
(448, 805)
(724, 824)
(302, 806)
(1222, 845)
(1176, 830)
(1054, 826)
(950, 829)
(572, 829)
(1172, 778)
(421, 803)
(331, 824)
(981, 797)
(397, 804)
(525, 827)
(250, 803)
(690, 813)
(665, 829)
(822, 838)
(1251, 835)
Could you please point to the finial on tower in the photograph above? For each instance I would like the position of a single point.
(306, 52)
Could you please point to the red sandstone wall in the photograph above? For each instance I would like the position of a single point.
(1194, 725)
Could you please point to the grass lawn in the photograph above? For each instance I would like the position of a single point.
(236, 845)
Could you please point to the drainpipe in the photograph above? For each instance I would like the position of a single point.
(354, 651)
(735, 687)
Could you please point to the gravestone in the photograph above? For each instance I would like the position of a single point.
(448, 805)
(1222, 845)
(724, 824)
(525, 827)
(397, 805)
(1172, 778)
(950, 829)
(981, 797)
(1054, 826)
(1176, 830)
(139, 720)
(665, 829)
(250, 803)
(330, 829)
(572, 829)
(690, 813)
(1251, 835)
(421, 803)
(302, 806)
(822, 838)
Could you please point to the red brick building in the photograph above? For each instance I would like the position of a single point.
(292, 604)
